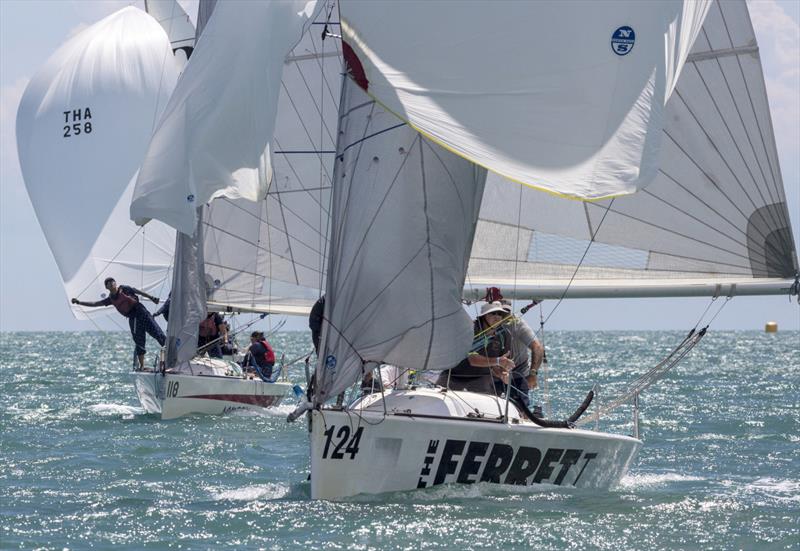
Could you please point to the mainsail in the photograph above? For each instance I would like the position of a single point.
(83, 126)
(713, 221)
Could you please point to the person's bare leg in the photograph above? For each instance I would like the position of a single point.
(141, 362)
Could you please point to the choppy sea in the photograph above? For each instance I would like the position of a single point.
(81, 465)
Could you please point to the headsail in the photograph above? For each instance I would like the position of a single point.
(206, 139)
(563, 96)
(83, 126)
(403, 216)
(714, 220)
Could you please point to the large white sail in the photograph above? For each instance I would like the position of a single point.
(83, 126)
(714, 220)
(270, 255)
(221, 117)
(403, 216)
(563, 96)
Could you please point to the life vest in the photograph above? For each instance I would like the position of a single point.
(268, 358)
(208, 328)
(123, 303)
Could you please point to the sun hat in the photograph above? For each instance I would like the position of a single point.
(491, 307)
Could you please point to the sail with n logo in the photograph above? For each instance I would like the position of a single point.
(454, 164)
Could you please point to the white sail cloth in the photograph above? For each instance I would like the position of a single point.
(715, 212)
(215, 132)
(83, 126)
(562, 96)
(403, 217)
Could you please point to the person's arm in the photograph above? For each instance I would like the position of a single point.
(145, 295)
(500, 366)
(223, 332)
(104, 302)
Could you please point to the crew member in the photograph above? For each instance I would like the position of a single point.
(125, 299)
(526, 353)
(260, 357)
(488, 358)
(213, 332)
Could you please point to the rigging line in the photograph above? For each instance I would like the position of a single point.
(430, 253)
(163, 65)
(727, 300)
(215, 238)
(710, 303)
(112, 259)
(563, 294)
(288, 241)
(141, 266)
(377, 211)
(273, 226)
(261, 248)
(288, 191)
(320, 61)
(299, 179)
(373, 135)
(321, 124)
(328, 222)
(320, 107)
(300, 119)
(775, 178)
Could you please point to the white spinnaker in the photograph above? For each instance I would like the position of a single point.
(403, 216)
(221, 117)
(715, 212)
(535, 91)
(83, 126)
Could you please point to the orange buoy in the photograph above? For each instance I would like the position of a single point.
(771, 327)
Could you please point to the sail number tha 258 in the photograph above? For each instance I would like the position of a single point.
(77, 122)
(341, 439)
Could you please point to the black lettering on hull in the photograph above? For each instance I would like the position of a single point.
(523, 465)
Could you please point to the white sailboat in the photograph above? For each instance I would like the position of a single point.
(657, 113)
(83, 126)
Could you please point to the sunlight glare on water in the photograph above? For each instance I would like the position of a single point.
(84, 467)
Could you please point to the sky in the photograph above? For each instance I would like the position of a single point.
(31, 294)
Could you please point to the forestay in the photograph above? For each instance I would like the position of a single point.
(715, 213)
(563, 96)
(403, 216)
(83, 126)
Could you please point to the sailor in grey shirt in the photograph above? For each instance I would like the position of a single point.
(523, 346)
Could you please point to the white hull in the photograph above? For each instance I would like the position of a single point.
(427, 439)
(173, 395)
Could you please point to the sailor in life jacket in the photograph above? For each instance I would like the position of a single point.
(125, 299)
(488, 359)
(212, 335)
(260, 357)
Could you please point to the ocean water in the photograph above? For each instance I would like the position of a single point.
(81, 466)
